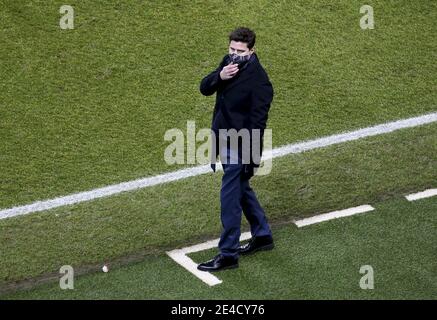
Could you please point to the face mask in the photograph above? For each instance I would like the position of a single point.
(240, 60)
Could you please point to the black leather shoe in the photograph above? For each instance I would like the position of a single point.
(257, 244)
(219, 263)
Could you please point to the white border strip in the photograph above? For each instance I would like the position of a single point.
(180, 256)
(195, 171)
(421, 195)
(333, 215)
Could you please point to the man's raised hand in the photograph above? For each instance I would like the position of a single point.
(229, 71)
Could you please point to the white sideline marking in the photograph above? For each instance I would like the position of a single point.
(195, 171)
(180, 256)
(333, 215)
(354, 135)
(421, 195)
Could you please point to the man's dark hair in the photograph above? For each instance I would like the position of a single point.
(243, 34)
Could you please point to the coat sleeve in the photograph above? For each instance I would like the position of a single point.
(262, 97)
(211, 82)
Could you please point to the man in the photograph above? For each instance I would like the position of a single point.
(244, 95)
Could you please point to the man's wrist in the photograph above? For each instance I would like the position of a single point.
(220, 76)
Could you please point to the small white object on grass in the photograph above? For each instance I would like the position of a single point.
(105, 268)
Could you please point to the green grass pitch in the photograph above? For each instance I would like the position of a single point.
(88, 107)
